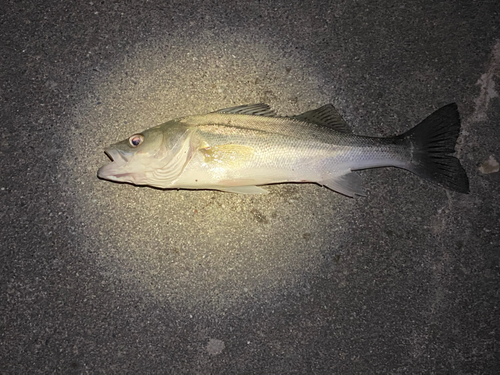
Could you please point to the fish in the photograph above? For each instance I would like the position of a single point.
(242, 148)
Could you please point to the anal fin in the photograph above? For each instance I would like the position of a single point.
(349, 184)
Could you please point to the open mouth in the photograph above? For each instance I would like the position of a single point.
(115, 155)
(110, 171)
(109, 155)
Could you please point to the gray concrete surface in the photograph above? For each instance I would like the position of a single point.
(99, 277)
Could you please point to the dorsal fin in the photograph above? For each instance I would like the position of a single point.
(325, 116)
(259, 109)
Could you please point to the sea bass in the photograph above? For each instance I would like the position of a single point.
(239, 149)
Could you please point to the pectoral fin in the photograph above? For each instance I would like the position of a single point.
(349, 184)
(244, 189)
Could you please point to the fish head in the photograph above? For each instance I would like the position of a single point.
(146, 158)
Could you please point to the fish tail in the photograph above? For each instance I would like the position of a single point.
(432, 142)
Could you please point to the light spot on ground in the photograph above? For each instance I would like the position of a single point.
(489, 166)
(215, 347)
(198, 250)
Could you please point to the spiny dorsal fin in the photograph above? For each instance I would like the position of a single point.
(325, 116)
(259, 109)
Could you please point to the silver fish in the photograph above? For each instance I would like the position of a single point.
(240, 148)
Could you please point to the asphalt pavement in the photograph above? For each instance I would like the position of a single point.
(101, 277)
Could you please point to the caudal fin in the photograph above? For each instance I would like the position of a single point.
(432, 142)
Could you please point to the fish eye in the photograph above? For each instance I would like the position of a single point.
(136, 140)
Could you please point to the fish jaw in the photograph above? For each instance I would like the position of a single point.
(121, 168)
(108, 171)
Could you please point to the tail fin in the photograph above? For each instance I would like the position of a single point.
(432, 141)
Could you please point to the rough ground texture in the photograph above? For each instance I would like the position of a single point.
(98, 277)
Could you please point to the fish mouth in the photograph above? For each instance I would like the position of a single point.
(115, 155)
(108, 154)
(111, 171)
